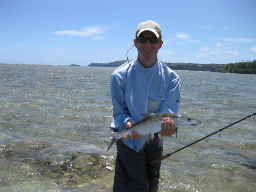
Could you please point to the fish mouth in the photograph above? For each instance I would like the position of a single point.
(195, 124)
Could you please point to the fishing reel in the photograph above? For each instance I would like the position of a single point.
(152, 172)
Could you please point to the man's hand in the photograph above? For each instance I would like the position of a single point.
(134, 134)
(167, 127)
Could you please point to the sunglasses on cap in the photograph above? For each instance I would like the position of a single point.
(152, 40)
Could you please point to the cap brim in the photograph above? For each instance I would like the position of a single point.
(148, 29)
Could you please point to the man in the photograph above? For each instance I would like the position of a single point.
(142, 85)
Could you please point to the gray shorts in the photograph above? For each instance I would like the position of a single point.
(131, 166)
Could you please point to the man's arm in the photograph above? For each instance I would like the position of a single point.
(120, 110)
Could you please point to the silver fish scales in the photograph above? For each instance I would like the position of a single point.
(152, 124)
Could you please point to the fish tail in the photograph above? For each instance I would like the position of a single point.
(113, 140)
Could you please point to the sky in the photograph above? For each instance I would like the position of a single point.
(64, 32)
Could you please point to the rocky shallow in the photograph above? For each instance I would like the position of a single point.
(70, 170)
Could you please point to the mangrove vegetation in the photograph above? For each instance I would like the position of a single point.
(245, 67)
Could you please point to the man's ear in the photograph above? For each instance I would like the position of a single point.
(161, 43)
(135, 42)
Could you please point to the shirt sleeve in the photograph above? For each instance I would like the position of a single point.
(172, 97)
(120, 111)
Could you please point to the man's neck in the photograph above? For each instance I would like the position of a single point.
(147, 63)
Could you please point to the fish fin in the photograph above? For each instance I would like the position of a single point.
(150, 137)
(145, 115)
(113, 140)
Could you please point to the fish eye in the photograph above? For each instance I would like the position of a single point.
(188, 119)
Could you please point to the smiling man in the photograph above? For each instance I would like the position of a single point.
(143, 85)
(148, 42)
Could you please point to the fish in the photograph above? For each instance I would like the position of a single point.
(152, 124)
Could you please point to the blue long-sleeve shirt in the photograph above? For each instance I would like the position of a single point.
(136, 90)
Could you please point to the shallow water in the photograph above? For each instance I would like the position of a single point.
(54, 131)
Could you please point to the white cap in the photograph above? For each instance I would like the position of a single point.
(149, 26)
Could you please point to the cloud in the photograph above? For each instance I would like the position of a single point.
(229, 52)
(219, 44)
(253, 49)
(215, 53)
(208, 27)
(205, 49)
(225, 27)
(186, 36)
(183, 36)
(225, 52)
(236, 40)
(194, 41)
(217, 28)
(84, 32)
(23, 58)
(168, 41)
(165, 54)
(47, 59)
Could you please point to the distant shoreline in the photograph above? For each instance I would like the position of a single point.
(248, 67)
(241, 67)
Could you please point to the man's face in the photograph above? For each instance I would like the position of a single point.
(147, 50)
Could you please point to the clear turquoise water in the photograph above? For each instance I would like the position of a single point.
(48, 111)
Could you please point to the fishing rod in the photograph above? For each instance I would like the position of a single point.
(169, 154)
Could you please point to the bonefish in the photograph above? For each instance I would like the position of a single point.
(152, 124)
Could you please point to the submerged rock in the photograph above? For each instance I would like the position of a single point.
(68, 170)
(76, 168)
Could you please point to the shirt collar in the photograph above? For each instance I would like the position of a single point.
(142, 69)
